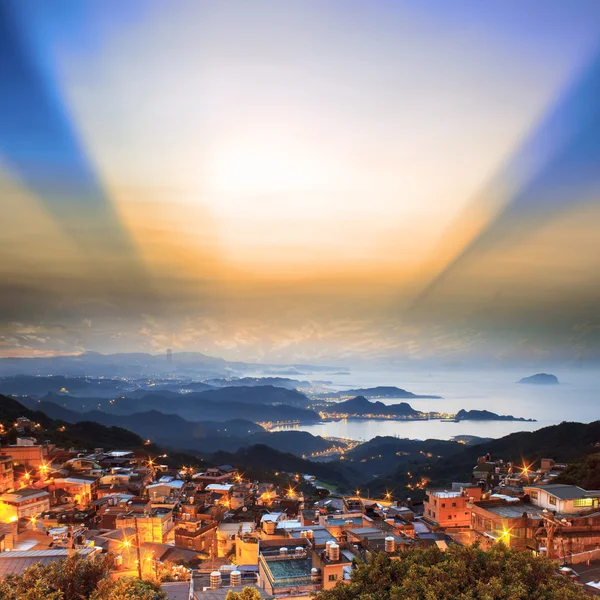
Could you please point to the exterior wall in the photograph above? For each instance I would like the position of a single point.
(7, 478)
(29, 456)
(202, 540)
(246, 550)
(516, 533)
(447, 512)
(83, 492)
(544, 499)
(150, 529)
(25, 508)
(332, 575)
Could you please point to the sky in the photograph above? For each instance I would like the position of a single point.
(385, 182)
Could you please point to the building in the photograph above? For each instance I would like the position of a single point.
(285, 571)
(575, 539)
(24, 503)
(338, 525)
(448, 508)
(151, 526)
(505, 518)
(196, 535)
(165, 487)
(81, 488)
(563, 499)
(216, 475)
(32, 456)
(7, 476)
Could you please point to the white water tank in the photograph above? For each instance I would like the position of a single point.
(315, 575)
(118, 561)
(334, 552)
(327, 546)
(390, 544)
(283, 551)
(309, 534)
(349, 522)
(215, 580)
(235, 579)
(299, 551)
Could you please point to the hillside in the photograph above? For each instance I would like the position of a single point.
(360, 406)
(204, 436)
(382, 391)
(259, 459)
(486, 415)
(565, 443)
(260, 404)
(84, 434)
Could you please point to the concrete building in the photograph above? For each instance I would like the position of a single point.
(196, 535)
(7, 476)
(24, 503)
(285, 571)
(508, 519)
(152, 526)
(337, 525)
(448, 508)
(564, 499)
(32, 456)
(81, 488)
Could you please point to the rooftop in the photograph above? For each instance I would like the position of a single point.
(445, 493)
(562, 491)
(510, 510)
(291, 572)
(17, 562)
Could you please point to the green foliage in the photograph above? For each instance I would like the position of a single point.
(248, 593)
(73, 578)
(76, 578)
(128, 588)
(584, 473)
(460, 573)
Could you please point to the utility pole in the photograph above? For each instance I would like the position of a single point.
(137, 546)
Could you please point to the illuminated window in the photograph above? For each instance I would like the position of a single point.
(552, 500)
(583, 502)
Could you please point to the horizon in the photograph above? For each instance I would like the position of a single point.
(402, 185)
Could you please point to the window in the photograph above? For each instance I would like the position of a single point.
(533, 495)
(583, 502)
(552, 500)
(449, 517)
(454, 505)
(333, 577)
(443, 505)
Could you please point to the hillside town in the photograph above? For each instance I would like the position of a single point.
(203, 532)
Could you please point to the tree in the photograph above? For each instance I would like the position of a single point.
(128, 588)
(248, 593)
(460, 573)
(72, 578)
(76, 578)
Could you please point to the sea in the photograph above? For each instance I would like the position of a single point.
(575, 398)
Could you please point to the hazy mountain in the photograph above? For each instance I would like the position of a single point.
(136, 364)
(485, 415)
(360, 406)
(283, 382)
(540, 379)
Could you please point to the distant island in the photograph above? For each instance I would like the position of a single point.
(486, 415)
(361, 407)
(540, 379)
(380, 391)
